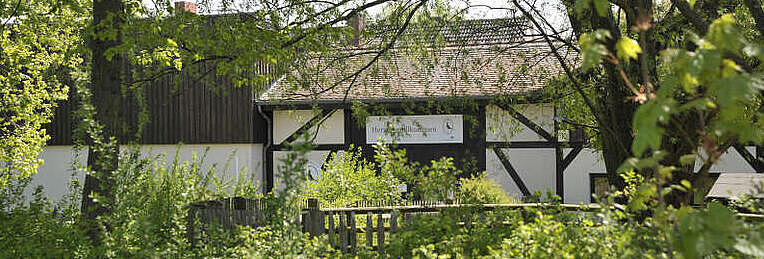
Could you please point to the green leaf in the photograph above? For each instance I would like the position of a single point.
(592, 50)
(648, 133)
(692, 3)
(688, 159)
(686, 184)
(172, 42)
(725, 35)
(627, 48)
(699, 104)
(581, 5)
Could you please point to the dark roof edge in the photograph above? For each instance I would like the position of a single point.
(534, 96)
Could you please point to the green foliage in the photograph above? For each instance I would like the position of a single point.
(592, 49)
(348, 178)
(602, 7)
(148, 209)
(436, 181)
(627, 48)
(429, 235)
(40, 43)
(39, 229)
(268, 242)
(478, 189)
(702, 232)
(708, 83)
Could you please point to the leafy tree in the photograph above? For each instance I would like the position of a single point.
(673, 85)
(40, 44)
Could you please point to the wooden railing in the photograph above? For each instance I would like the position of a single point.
(343, 230)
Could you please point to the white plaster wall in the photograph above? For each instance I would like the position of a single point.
(732, 162)
(501, 126)
(495, 171)
(57, 171)
(286, 122)
(535, 166)
(576, 186)
(230, 161)
(316, 158)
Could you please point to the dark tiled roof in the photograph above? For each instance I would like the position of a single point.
(489, 61)
(468, 32)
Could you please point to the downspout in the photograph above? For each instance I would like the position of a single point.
(269, 133)
(267, 145)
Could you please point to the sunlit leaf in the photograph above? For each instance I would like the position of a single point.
(592, 50)
(627, 48)
(725, 35)
(172, 42)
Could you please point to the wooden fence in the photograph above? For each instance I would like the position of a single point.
(382, 221)
(379, 221)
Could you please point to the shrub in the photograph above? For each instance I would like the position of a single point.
(436, 181)
(38, 229)
(478, 189)
(348, 178)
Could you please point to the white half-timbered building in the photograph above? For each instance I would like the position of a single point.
(481, 103)
(479, 99)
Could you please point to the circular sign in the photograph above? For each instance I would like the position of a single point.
(313, 171)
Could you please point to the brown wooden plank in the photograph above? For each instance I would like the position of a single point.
(369, 230)
(380, 234)
(353, 238)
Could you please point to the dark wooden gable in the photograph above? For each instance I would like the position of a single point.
(180, 109)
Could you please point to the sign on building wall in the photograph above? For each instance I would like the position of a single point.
(415, 129)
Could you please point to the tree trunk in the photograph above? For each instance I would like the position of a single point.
(106, 79)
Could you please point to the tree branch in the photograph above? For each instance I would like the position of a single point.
(323, 26)
(576, 84)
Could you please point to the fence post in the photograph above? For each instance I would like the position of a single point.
(380, 233)
(393, 221)
(331, 230)
(343, 232)
(353, 237)
(369, 230)
(315, 225)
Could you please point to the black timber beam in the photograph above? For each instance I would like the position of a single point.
(512, 172)
(572, 155)
(528, 123)
(757, 164)
(305, 127)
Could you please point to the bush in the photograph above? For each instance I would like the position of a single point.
(436, 181)
(478, 189)
(348, 178)
(148, 219)
(38, 229)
